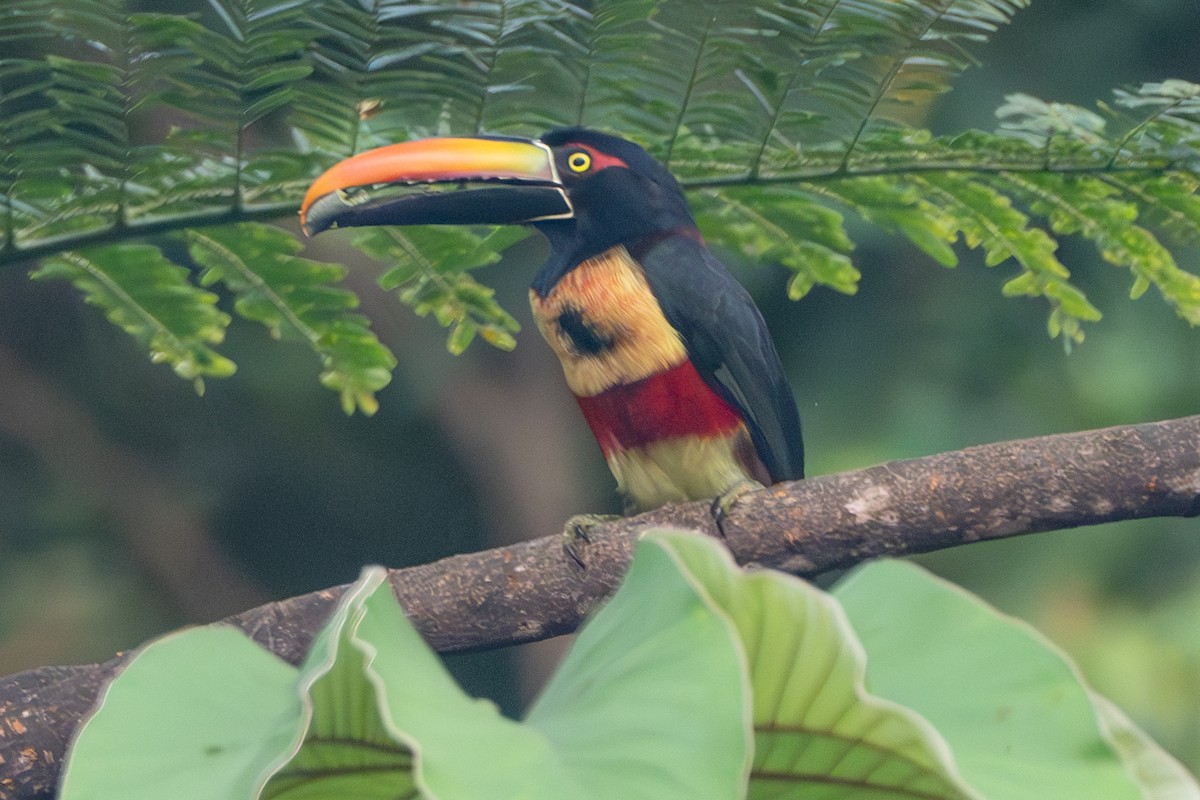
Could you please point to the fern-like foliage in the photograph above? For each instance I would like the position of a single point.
(152, 300)
(432, 277)
(782, 118)
(295, 298)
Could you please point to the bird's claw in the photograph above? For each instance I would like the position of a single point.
(576, 537)
(723, 503)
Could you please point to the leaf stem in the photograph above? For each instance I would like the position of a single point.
(701, 46)
(841, 171)
(885, 85)
(13, 254)
(261, 286)
(1141, 126)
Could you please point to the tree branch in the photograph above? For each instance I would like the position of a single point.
(531, 591)
(117, 233)
(273, 212)
(818, 172)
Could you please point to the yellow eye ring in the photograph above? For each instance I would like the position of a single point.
(579, 161)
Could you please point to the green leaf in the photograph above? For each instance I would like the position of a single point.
(1017, 714)
(897, 207)
(786, 227)
(463, 747)
(432, 278)
(296, 298)
(1157, 773)
(818, 731)
(987, 219)
(372, 712)
(652, 701)
(152, 300)
(1171, 117)
(196, 714)
(1168, 202)
(1050, 124)
(620, 716)
(461, 336)
(1090, 207)
(777, 110)
(347, 747)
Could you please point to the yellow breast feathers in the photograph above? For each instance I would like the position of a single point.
(605, 324)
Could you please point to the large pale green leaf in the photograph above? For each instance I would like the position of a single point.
(652, 700)
(625, 717)
(1158, 774)
(818, 732)
(1017, 714)
(393, 683)
(347, 749)
(646, 705)
(193, 716)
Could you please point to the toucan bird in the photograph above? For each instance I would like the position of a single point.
(668, 357)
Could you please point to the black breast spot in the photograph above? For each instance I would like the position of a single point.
(585, 339)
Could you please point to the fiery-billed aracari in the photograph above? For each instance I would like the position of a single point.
(666, 353)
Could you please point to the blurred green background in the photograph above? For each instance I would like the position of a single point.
(131, 505)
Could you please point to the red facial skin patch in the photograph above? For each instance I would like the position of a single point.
(600, 160)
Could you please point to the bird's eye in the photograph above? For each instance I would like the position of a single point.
(579, 161)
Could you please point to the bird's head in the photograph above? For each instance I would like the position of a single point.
(587, 191)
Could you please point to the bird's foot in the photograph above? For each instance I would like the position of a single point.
(575, 535)
(723, 503)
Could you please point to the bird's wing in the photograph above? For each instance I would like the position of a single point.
(730, 346)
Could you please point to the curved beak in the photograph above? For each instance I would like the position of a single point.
(444, 181)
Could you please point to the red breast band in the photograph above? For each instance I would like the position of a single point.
(673, 403)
